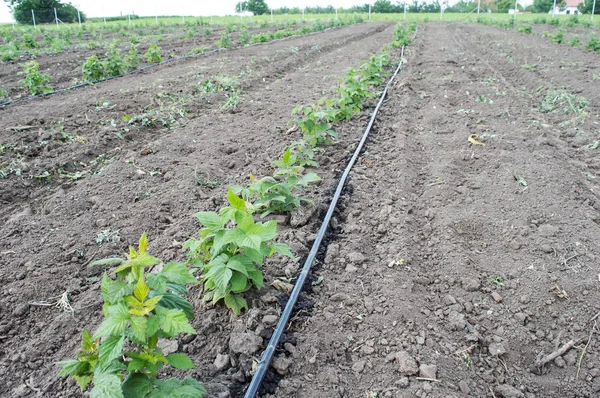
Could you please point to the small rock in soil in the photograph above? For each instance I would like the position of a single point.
(521, 318)
(359, 366)
(497, 349)
(464, 387)
(497, 297)
(570, 358)
(546, 248)
(406, 363)
(470, 284)
(244, 343)
(508, 391)
(456, 321)
(449, 300)
(356, 258)
(281, 364)
(168, 346)
(221, 362)
(20, 310)
(428, 371)
(351, 268)
(403, 382)
(560, 362)
(339, 297)
(270, 320)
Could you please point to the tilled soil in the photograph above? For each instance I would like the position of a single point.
(65, 68)
(153, 179)
(454, 266)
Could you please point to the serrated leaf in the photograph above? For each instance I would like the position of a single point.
(106, 386)
(170, 300)
(107, 261)
(239, 282)
(143, 243)
(178, 273)
(141, 289)
(112, 290)
(111, 348)
(239, 263)
(308, 178)
(116, 321)
(210, 220)
(256, 277)
(180, 361)
(73, 368)
(139, 326)
(235, 201)
(236, 303)
(173, 322)
(284, 250)
(220, 276)
(87, 343)
(136, 386)
(152, 327)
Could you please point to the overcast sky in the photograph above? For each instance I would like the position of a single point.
(97, 8)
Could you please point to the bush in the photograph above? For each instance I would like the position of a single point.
(593, 43)
(35, 81)
(154, 54)
(525, 29)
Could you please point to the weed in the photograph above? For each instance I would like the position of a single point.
(108, 236)
(574, 41)
(154, 54)
(563, 100)
(198, 50)
(29, 41)
(498, 281)
(122, 358)
(233, 100)
(558, 37)
(35, 82)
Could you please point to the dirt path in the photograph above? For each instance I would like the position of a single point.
(154, 180)
(466, 260)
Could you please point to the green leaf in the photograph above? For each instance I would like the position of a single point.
(239, 282)
(236, 303)
(116, 321)
(110, 349)
(180, 361)
(107, 261)
(239, 263)
(210, 220)
(173, 322)
(139, 327)
(141, 289)
(157, 282)
(106, 386)
(112, 291)
(170, 300)
(143, 243)
(284, 250)
(73, 368)
(265, 231)
(308, 178)
(178, 273)
(256, 277)
(235, 201)
(152, 325)
(87, 343)
(136, 386)
(221, 277)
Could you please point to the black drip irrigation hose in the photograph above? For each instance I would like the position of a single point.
(270, 350)
(182, 58)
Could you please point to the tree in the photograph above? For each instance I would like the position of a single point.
(385, 6)
(257, 7)
(543, 6)
(44, 11)
(586, 7)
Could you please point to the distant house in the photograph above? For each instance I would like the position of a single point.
(569, 9)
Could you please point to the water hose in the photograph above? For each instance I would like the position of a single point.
(274, 341)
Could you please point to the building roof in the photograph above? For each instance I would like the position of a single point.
(573, 3)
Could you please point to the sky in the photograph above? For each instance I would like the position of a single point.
(99, 8)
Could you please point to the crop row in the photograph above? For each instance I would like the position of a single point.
(122, 357)
(115, 63)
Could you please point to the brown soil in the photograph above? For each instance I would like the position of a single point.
(65, 68)
(474, 259)
(61, 190)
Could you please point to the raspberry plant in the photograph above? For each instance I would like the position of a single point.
(35, 82)
(230, 250)
(154, 54)
(122, 358)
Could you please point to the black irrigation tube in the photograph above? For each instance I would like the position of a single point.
(182, 58)
(274, 341)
